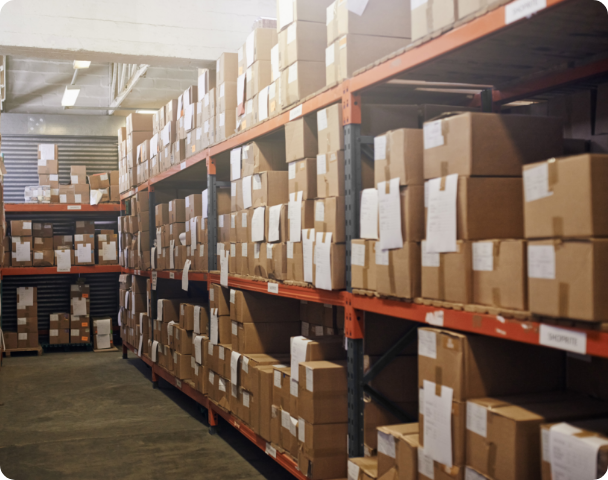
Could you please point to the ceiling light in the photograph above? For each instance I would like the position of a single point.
(69, 97)
(78, 64)
(146, 112)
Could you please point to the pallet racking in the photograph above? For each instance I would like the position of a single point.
(516, 51)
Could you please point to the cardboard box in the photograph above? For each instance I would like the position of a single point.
(194, 206)
(269, 189)
(47, 167)
(563, 279)
(301, 138)
(59, 336)
(330, 174)
(300, 80)
(564, 197)
(295, 261)
(266, 337)
(21, 251)
(329, 218)
(352, 52)
(447, 276)
(42, 243)
(427, 19)
(398, 451)
(399, 153)
(301, 41)
(44, 258)
(21, 228)
(322, 392)
(250, 307)
(162, 214)
(516, 140)
(330, 129)
(138, 122)
(500, 421)
(258, 76)
(466, 363)
(262, 156)
(258, 45)
(303, 178)
(499, 274)
(397, 272)
(85, 227)
(27, 340)
(389, 18)
(82, 194)
(107, 247)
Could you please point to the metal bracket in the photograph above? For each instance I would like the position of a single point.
(355, 397)
(388, 405)
(352, 190)
(410, 336)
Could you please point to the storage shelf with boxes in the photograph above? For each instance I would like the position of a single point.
(323, 243)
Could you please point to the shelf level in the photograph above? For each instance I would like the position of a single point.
(170, 275)
(482, 324)
(16, 271)
(57, 207)
(283, 460)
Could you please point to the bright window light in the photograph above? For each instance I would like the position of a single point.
(69, 97)
(146, 112)
(78, 64)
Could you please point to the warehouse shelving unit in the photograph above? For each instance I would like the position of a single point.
(516, 51)
(54, 207)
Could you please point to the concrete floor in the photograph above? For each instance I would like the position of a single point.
(95, 416)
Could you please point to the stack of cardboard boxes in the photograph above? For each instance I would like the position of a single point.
(196, 233)
(80, 313)
(102, 333)
(138, 130)
(43, 248)
(59, 328)
(227, 72)
(168, 135)
(27, 317)
(133, 319)
(21, 242)
(254, 234)
(254, 75)
(359, 34)
(171, 253)
(48, 175)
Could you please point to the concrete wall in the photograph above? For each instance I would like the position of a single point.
(81, 125)
(156, 32)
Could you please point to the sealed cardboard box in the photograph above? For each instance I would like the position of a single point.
(363, 264)
(329, 263)
(262, 156)
(447, 276)
(565, 197)
(330, 129)
(302, 41)
(329, 217)
(456, 144)
(107, 245)
(44, 258)
(322, 392)
(21, 228)
(398, 154)
(21, 251)
(138, 122)
(500, 421)
(397, 271)
(258, 76)
(301, 10)
(466, 364)
(266, 337)
(303, 178)
(27, 340)
(565, 279)
(250, 307)
(499, 274)
(194, 206)
(389, 18)
(300, 80)
(162, 214)
(270, 188)
(330, 174)
(427, 19)
(301, 138)
(42, 243)
(85, 227)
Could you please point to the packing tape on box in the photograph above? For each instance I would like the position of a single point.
(492, 460)
(441, 278)
(438, 380)
(558, 226)
(496, 296)
(553, 176)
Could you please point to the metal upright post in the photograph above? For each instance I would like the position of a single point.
(354, 329)
(152, 226)
(211, 215)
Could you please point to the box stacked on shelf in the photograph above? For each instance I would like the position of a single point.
(360, 34)
(27, 317)
(227, 72)
(21, 242)
(64, 251)
(255, 74)
(140, 206)
(196, 233)
(171, 253)
(133, 315)
(138, 130)
(43, 248)
(48, 176)
(102, 333)
(564, 227)
(254, 234)
(168, 136)
(59, 328)
(84, 243)
(78, 190)
(80, 311)
(208, 99)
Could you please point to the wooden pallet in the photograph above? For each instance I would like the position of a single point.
(111, 349)
(37, 349)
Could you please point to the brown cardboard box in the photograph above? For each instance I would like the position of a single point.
(250, 307)
(21, 228)
(399, 153)
(21, 251)
(27, 340)
(276, 261)
(322, 392)
(48, 166)
(398, 451)
(85, 227)
(177, 211)
(266, 337)
(466, 364)
(44, 230)
(337, 259)
(499, 274)
(138, 122)
(269, 189)
(258, 76)
(262, 156)
(162, 214)
(323, 448)
(300, 80)
(219, 299)
(42, 243)
(516, 140)
(84, 249)
(194, 206)
(564, 197)
(330, 129)
(302, 41)
(517, 417)
(236, 195)
(201, 261)
(330, 174)
(363, 264)
(329, 217)
(27, 324)
(243, 226)
(577, 434)
(564, 279)
(44, 258)
(388, 17)
(66, 194)
(301, 138)
(295, 261)
(397, 271)
(99, 181)
(303, 177)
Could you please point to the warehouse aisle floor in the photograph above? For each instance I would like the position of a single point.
(96, 416)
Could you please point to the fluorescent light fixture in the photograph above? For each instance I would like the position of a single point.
(78, 64)
(146, 112)
(69, 97)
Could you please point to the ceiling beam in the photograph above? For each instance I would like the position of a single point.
(141, 71)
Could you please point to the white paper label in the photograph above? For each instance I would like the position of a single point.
(257, 225)
(427, 343)
(358, 254)
(477, 419)
(309, 379)
(274, 217)
(563, 339)
(369, 214)
(425, 464)
(536, 182)
(541, 261)
(483, 256)
(386, 445)
(273, 288)
(277, 379)
(441, 217)
(438, 423)
(353, 471)
(429, 259)
(433, 136)
(290, 250)
(382, 256)
(295, 112)
(522, 9)
(330, 55)
(380, 148)
(292, 170)
(389, 207)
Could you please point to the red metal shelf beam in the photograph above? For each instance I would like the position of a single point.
(15, 271)
(283, 460)
(58, 207)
